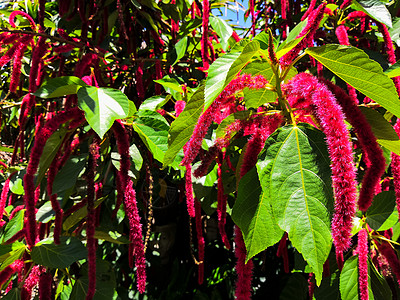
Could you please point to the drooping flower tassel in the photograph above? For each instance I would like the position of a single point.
(253, 16)
(135, 236)
(200, 242)
(221, 207)
(16, 70)
(45, 283)
(37, 150)
(282, 252)
(309, 9)
(375, 160)
(31, 281)
(244, 271)
(311, 286)
(362, 251)
(91, 217)
(308, 33)
(189, 191)
(305, 86)
(390, 254)
(8, 271)
(253, 148)
(139, 81)
(204, 38)
(395, 165)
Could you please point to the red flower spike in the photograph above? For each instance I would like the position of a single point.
(90, 220)
(345, 4)
(204, 38)
(282, 252)
(244, 271)
(390, 254)
(179, 107)
(122, 138)
(25, 15)
(235, 36)
(13, 50)
(31, 281)
(311, 286)
(356, 15)
(308, 31)
(45, 283)
(16, 70)
(395, 165)
(362, 251)
(37, 150)
(135, 236)
(253, 148)
(139, 81)
(4, 195)
(8, 271)
(305, 86)
(192, 147)
(374, 155)
(309, 10)
(253, 16)
(189, 191)
(200, 242)
(221, 207)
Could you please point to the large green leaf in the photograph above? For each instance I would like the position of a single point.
(102, 106)
(252, 213)
(294, 172)
(105, 282)
(221, 27)
(49, 153)
(154, 103)
(224, 69)
(349, 279)
(68, 175)
(393, 70)
(383, 131)
(182, 128)
(153, 130)
(354, 67)
(61, 256)
(375, 9)
(382, 214)
(171, 86)
(180, 48)
(60, 86)
(14, 225)
(256, 98)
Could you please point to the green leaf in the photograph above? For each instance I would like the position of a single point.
(382, 214)
(45, 213)
(49, 153)
(292, 34)
(375, 9)
(224, 69)
(349, 279)
(180, 48)
(239, 115)
(294, 172)
(5, 250)
(111, 236)
(105, 282)
(221, 27)
(13, 226)
(154, 103)
(383, 131)
(77, 216)
(67, 176)
(61, 256)
(393, 70)
(17, 251)
(379, 285)
(256, 98)
(102, 106)
(252, 213)
(153, 130)
(14, 294)
(16, 183)
(170, 84)
(182, 128)
(59, 87)
(354, 67)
